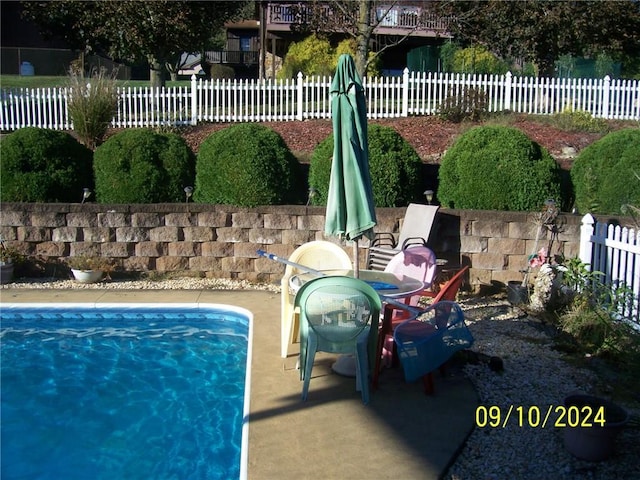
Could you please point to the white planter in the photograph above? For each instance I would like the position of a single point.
(87, 276)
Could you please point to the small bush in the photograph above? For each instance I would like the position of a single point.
(579, 121)
(222, 72)
(471, 104)
(311, 56)
(93, 103)
(603, 174)
(247, 165)
(477, 59)
(497, 168)
(394, 165)
(142, 166)
(40, 165)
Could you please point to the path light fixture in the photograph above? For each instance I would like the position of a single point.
(188, 191)
(86, 193)
(429, 196)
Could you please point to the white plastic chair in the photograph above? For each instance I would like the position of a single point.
(319, 255)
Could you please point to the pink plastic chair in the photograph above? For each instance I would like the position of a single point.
(417, 262)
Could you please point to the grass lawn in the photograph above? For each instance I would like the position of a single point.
(43, 81)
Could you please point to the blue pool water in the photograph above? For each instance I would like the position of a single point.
(138, 392)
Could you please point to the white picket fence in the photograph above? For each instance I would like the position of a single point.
(414, 93)
(614, 251)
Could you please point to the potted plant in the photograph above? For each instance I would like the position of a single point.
(592, 437)
(8, 257)
(86, 269)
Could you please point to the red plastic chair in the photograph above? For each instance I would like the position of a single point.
(391, 319)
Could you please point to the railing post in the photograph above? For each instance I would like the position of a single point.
(586, 247)
(405, 92)
(194, 100)
(300, 91)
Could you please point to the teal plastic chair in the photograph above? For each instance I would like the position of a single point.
(338, 315)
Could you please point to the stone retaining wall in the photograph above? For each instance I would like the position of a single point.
(221, 241)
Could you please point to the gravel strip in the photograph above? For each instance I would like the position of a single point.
(185, 283)
(534, 375)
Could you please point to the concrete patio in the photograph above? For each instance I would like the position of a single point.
(402, 434)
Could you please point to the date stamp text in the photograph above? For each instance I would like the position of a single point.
(533, 416)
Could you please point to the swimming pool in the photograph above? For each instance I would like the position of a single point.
(134, 391)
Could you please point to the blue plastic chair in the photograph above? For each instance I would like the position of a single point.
(425, 343)
(338, 315)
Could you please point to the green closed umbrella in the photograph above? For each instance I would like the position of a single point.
(350, 209)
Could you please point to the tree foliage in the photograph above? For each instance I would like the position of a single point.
(316, 56)
(353, 18)
(157, 31)
(477, 59)
(542, 30)
(311, 56)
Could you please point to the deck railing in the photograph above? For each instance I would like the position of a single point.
(413, 93)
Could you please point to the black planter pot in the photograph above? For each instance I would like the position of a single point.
(6, 273)
(516, 293)
(596, 442)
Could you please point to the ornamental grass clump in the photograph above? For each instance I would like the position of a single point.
(592, 317)
(93, 102)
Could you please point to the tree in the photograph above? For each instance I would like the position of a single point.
(353, 18)
(157, 31)
(542, 30)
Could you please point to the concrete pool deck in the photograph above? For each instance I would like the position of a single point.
(401, 434)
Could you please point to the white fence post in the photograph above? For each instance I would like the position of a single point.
(606, 95)
(405, 92)
(300, 92)
(586, 247)
(194, 100)
(508, 85)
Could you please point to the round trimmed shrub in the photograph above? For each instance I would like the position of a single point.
(394, 165)
(246, 165)
(143, 166)
(41, 165)
(605, 174)
(498, 168)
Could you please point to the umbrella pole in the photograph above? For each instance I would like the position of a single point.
(356, 260)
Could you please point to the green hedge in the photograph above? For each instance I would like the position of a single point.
(395, 167)
(247, 165)
(498, 168)
(605, 174)
(41, 165)
(143, 166)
